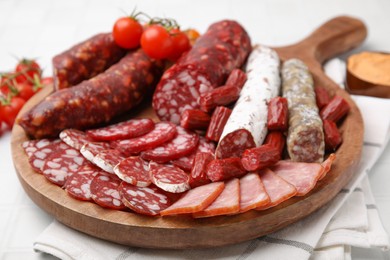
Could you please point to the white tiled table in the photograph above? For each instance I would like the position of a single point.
(43, 28)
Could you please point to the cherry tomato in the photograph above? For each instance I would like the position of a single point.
(181, 44)
(27, 69)
(127, 32)
(25, 90)
(156, 42)
(8, 112)
(5, 83)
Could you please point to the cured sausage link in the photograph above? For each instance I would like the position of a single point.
(221, 96)
(95, 101)
(305, 139)
(195, 119)
(85, 60)
(277, 114)
(217, 123)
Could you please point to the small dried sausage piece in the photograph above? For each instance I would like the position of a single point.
(107, 159)
(186, 162)
(38, 150)
(198, 175)
(162, 132)
(277, 140)
(335, 110)
(134, 170)
(332, 135)
(322, 97)
(195, 119)
(276, 187)
(78, 185)
(195, 200)
(303, 176)
(224, 169)
(85, 60)
(305, 138)
(105, 191)
(144, 200)
(184, 143)
(260, 157)
(228, 202)
(217, 123)
(221, 96)
(123, 130)
(247, 124)
(169, 178)
(61, 164)
(252, 192)
(277, 114)
(75, 138)
(236, 78)
(90, 150)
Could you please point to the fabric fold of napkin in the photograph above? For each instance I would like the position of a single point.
(329, 233)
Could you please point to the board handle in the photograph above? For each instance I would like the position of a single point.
(334, 37)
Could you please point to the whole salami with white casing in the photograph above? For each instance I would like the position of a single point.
(305, 139)
(247, 124)
(221, 49)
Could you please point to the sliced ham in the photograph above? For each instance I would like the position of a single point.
(276, 187)
(195, 200)
(252, 192)
(327, 164)
(228, 202)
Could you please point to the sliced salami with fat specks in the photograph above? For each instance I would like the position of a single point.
(162, 132)
(276, 187)
(78, 185)
(90, 150)
(247, 124)
(169, 178)
(38, 150)
(75, 138)
(107, 159)
(105, 191)
(144, 200)
(61, 164)
(184, 143)
(252, 192)
(186, 162)
(124, 130)
(134, 170)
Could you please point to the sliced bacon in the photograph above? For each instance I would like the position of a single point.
(228, 202)
(195, 200)
(276, 187)
(252, 192)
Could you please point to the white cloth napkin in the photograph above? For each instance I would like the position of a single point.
(328, 233)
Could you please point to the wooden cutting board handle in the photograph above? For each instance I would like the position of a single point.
(334, 37)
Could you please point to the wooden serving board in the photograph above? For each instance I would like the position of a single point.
(334, 37)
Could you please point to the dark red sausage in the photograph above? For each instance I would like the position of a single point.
(217, 123)
(221, 96)
(95, 101)
(322, 97)
(277, 118)
(195, 119)
(332, 135)
(224, 169)
(223, 47)
(198, 175)
(85, 60)
(335, 110)
(237, 78)
(260, 157)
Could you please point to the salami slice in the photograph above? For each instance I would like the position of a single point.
(61, 164)
(38, 150)
(105, 191)
(186, 162)
(303, 176)
(134, 170)
(305, 139)
(195, 200)
(123, 130)
(144, 200)
(90, 150)
(107, 159)
(214, 55)
(169, 178)
(276, 187)
(162, 132)
(247, 124)
(78, 185)
(184, 143)
(252, 192)
(228, 202)
(75, 138)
